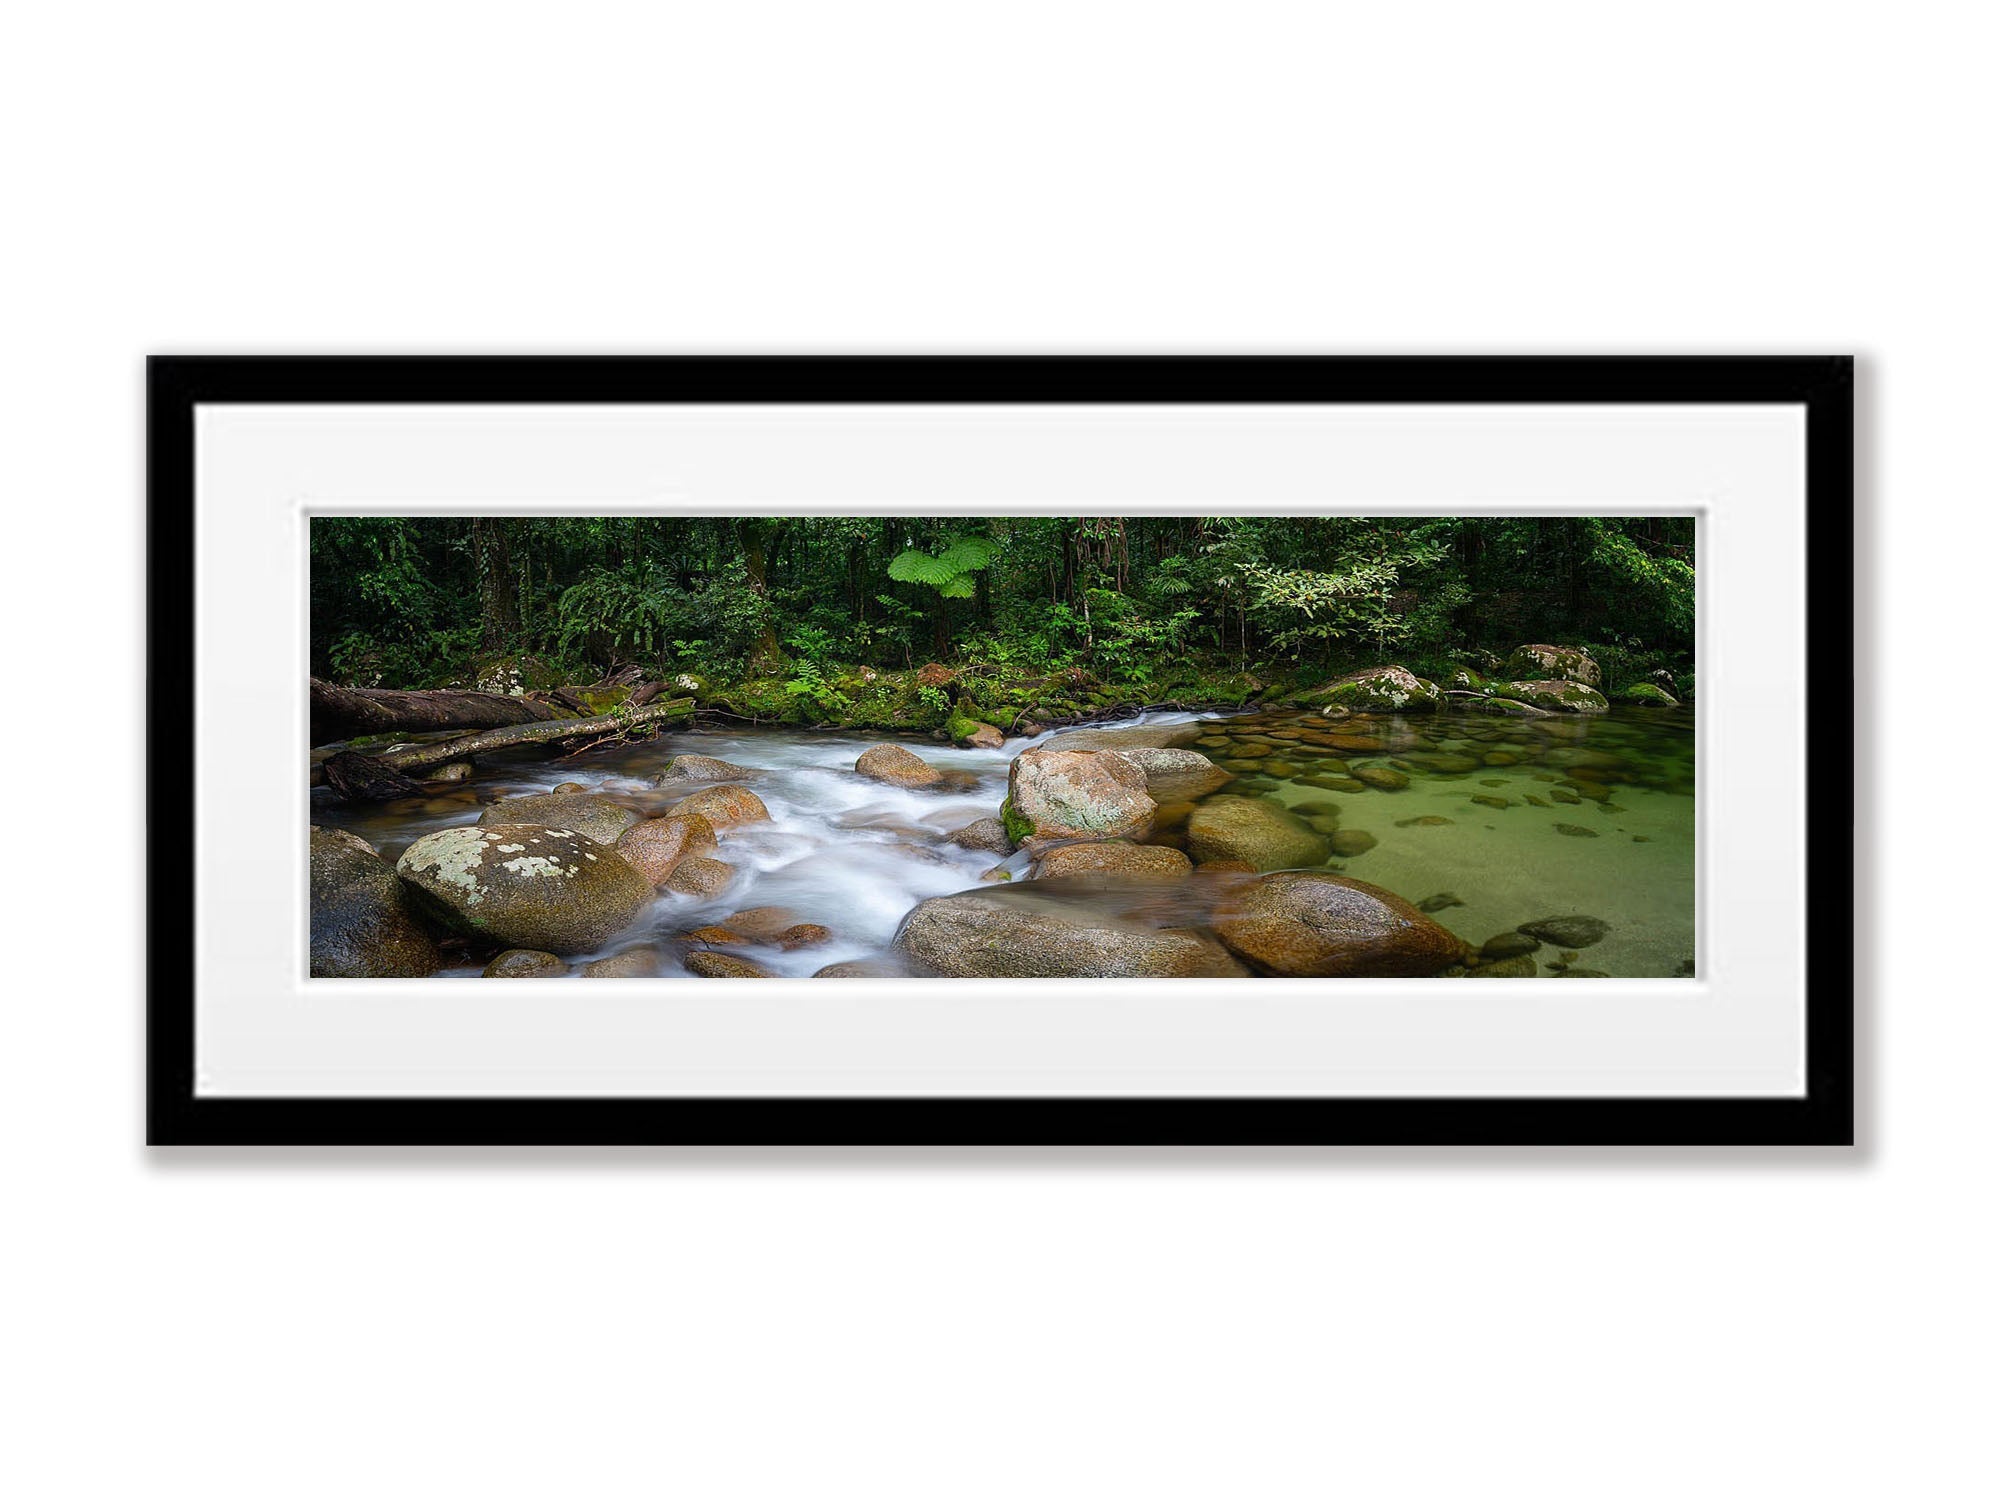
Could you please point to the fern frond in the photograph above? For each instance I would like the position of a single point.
(920, 567)
(967, 554)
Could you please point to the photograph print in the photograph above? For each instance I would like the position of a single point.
(1022, 747)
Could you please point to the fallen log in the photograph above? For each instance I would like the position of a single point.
(342, 713)
(418, 757)
(358, 778)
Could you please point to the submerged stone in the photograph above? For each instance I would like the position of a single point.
(1114, 859)
(1261, 835)
(1312, 923)
(1382, 778)
(1567, 932)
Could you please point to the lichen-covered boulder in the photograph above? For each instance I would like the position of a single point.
(1566, 663)
(656, 846)
(1648, 693)
(1377, 690)
(1558, 695)
(1314, 923)
(1010, 933)
(1070, 794)
(525, 963)
(1255, 833)
(596, 818)
(525, 886)
(1131, 737)
(1114, 859)
(724, 806)
(362, 927)
(1174, 775)
(895, 766)
(701, 769)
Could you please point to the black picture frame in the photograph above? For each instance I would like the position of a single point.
(1823, 1115)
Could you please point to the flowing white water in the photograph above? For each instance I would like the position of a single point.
(848, 853)
(1505, 841)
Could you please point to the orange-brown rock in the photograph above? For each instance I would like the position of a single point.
(725, 806)
(1115, 860)
(655, 846)
(1313, 923)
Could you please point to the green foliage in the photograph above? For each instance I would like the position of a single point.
(1019, 828)
(1143, 606)
(950, 571)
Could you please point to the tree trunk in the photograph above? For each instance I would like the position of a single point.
(376, 778)
(499, 622)
(418, 757)
(359, 778)
(751, 537)
(340, 713)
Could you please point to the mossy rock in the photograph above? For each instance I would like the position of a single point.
(1557, 694)
(1019, 828)
(1649, 694)
(1389, 689)
(513, 675)
(603, 700)
(1568, 663)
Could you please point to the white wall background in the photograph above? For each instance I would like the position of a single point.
(1529, 177)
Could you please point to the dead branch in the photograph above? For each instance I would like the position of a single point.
(340, 713)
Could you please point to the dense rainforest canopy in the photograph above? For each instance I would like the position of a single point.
(1133, 601)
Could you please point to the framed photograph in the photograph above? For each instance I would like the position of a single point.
(1080, 751)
